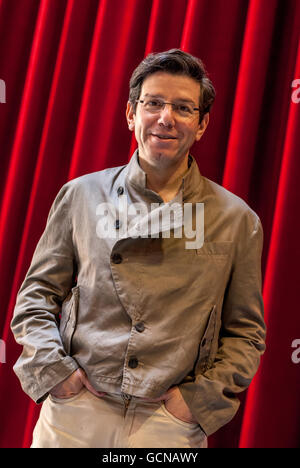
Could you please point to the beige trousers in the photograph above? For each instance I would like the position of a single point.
(86, 421)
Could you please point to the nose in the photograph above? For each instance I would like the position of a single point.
(166, 116)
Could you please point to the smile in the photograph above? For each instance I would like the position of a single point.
(164, 137)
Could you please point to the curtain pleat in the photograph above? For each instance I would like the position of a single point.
(274, 394)
(66, 65)
(248, 96)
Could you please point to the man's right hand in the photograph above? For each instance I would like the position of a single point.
(72, 386)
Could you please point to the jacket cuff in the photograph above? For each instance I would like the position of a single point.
(38, 389)
(210, 406)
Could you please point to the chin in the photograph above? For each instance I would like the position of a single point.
(161, 156)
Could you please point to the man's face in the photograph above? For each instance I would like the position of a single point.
(165, 137)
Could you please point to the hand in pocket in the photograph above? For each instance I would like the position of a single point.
(72, 385)
(175, 405)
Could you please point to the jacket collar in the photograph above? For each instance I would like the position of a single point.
(192, 181)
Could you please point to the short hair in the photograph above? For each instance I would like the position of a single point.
(177, 62)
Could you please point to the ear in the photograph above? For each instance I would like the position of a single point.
(130, 116)
(202, 126)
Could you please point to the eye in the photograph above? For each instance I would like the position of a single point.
(153, 103)
(184, 108)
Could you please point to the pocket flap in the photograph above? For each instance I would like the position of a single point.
(69, 317)
(216, 248)
(207, 339)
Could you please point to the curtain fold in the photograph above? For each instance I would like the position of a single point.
(279, 377)
(66, 66)
(249, 95)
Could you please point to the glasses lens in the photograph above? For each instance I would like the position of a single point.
(153, 105)
(185, 110)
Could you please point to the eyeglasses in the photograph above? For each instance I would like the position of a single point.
(154, 106)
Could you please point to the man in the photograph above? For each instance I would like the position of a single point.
(158, 332)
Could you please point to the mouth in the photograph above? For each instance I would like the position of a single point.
(163, 137)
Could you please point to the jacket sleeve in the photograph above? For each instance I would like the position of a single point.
(44, 362)
(239, 343)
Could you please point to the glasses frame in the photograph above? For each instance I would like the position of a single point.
(165, 102)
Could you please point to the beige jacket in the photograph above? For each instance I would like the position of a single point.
(141, 315)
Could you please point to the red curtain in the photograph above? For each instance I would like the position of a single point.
(66, 65)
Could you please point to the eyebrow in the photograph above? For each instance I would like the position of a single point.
(162, 97)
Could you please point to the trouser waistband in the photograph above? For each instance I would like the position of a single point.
(126, 396)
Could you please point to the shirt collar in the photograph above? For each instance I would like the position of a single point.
(191, 181)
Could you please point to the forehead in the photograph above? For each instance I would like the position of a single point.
(171, 87)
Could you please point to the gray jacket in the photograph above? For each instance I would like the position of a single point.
(142, 314)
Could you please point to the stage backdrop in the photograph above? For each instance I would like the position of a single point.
(64, 71)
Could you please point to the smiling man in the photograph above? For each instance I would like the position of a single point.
(166, 124)
(139, 341)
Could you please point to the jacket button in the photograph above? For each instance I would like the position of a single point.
(203, 342)
(116, 258)
(133, 362)
(120, 190)
(140, 327)
(117, 224)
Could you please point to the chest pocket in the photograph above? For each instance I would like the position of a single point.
(218, 250)
(68, 321)
(213, 264)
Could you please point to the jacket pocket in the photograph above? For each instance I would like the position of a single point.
(209, 343)
(69, 318)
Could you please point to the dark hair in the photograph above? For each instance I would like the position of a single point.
(173, 61)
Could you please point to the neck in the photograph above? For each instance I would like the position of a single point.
(164, 181)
